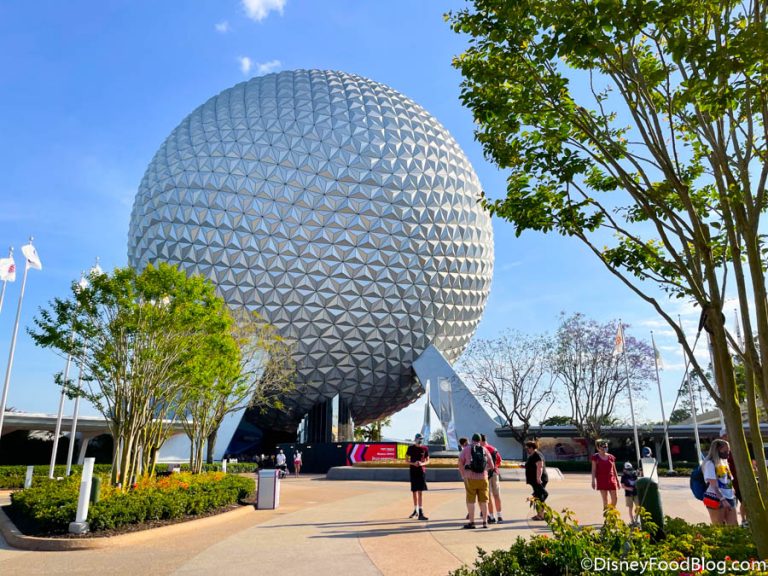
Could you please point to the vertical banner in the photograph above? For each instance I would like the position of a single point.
(446, 413)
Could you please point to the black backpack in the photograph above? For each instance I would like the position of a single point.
(477, 463)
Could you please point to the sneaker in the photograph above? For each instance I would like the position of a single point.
(491, 520)
(469, 526)
(422, 517)
(413, 514)
(485, 525)
(499, 520)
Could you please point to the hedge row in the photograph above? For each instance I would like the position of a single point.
(52, 505)
(233, 468)
(12, 477)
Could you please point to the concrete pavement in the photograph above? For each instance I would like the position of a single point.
(336, 527)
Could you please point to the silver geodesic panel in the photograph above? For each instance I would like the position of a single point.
(338, 209)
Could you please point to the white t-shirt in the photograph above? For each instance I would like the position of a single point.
(297, 457)
(723, 476)
(280, 460)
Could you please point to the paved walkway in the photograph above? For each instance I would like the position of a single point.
(340, 528)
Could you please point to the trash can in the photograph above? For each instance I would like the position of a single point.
(650, 499)
(268, 491)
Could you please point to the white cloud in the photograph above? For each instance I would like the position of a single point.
(245, 64)
(222, 27)
(259, 9)
(267, 67)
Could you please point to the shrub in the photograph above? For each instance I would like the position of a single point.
(235, 468)
(570, 544)
(12, 477)
(52, 505)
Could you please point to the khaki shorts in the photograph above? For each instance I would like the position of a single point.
(476, 488)
(493, 485)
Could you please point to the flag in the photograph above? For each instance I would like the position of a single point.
(33, 260)
(657, 355)
(618, 347)
(7, 269)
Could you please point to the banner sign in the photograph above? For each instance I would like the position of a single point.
(370, 452)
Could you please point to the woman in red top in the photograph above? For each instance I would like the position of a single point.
(604, 476)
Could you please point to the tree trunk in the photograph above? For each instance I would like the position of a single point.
(729, 404)
(211, 445)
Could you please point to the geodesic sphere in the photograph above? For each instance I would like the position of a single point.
(338, 209)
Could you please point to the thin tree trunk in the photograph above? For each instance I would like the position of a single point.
(211, 445)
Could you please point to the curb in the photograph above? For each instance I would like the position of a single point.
(16, 539)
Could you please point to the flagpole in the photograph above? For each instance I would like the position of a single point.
(13, 350)
(60, 415)
(714, 376)
(71, 447)
(5, 282)
(690, 395)
(629, 388)
(661, 403)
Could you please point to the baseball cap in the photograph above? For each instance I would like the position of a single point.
(475, 437)
(418, 437)
(627, 466)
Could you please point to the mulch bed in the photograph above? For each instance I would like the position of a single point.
(29, 527)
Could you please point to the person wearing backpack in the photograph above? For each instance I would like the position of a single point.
(494, 496)
(720, 497)
(474, 463)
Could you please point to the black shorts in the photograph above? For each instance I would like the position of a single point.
(418, 479)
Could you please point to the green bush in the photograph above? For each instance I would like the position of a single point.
(570, 545)
(12, 477)
(52, 505)
(237, 468)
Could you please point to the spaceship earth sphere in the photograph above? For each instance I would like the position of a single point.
(342, 212)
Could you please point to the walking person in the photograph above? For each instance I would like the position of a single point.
(297, 463)
(604, 475)
(629, 483)
(720, 497)
(494, 496)
(280, 463)
(474, 463)
(418, 456)
(536, 474)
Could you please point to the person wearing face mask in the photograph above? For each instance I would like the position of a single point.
(720, 498)
(418, 456)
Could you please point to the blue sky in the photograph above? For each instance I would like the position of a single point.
(89, 91)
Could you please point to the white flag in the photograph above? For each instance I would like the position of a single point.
(618, 348)
(657, 354)
(7, 269)
(33, 260)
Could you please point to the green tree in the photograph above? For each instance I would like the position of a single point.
(557, 421)
(141, 337)
(639, 128)
(371, 432)
(249, 367)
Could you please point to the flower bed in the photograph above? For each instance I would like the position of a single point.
(573, 549)
(433, 463)
(49, 507)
